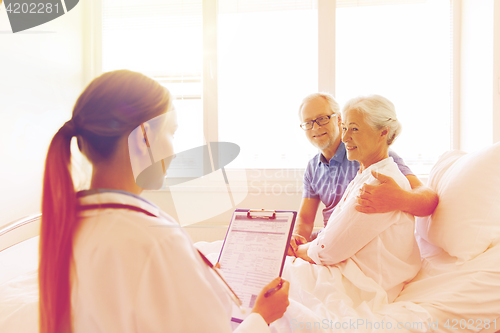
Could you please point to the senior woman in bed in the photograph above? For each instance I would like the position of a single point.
(382, 245)
(111, 261)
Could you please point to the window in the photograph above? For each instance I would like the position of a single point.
(268, 62)
(266, 56)
(162, 39)
(402, 51)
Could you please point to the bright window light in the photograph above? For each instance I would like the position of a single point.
(162, 39)
(268, 62)
(402, 52)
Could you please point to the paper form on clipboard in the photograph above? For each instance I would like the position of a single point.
(253, 253)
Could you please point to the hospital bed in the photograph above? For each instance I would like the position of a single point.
(459, 281)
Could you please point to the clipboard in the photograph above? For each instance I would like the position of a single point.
(253, 253)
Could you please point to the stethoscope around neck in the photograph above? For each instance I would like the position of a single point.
(229, 290)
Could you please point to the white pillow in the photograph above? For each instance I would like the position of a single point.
(466, 221)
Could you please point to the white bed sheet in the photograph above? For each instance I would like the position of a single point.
(442, 290)
(19, 287)
(19, 259)
(467, 292)
(444, 295)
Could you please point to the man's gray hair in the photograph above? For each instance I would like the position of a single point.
(334, 106)
(379, 113)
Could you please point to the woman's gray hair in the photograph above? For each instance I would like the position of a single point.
(334, 106)
(379, 113)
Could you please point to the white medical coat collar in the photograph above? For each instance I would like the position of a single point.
(106, 196)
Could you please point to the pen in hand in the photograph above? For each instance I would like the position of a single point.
(273, 290)
(216, 267)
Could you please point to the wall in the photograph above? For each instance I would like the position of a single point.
(273, 189)
(480, 74)
(41, 75)
(496, 72)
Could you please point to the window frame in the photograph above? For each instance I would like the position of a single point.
(92, 39)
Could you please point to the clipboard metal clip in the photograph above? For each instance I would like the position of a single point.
(261, 213)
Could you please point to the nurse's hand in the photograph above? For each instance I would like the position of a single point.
(273, 307)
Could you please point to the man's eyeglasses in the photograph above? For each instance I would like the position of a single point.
(320, 121)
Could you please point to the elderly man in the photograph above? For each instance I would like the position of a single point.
(329, 172)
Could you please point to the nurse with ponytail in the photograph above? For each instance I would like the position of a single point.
(111, 261)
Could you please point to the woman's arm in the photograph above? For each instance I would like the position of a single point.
(347, 233)
(302, 252)
(388, 196)
(349, 230)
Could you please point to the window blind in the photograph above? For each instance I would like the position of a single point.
(360, 3)
(249, 6)
(164, 40)
(126, 14)
(160, 38)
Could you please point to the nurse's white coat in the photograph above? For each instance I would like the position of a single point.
(137, 273)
